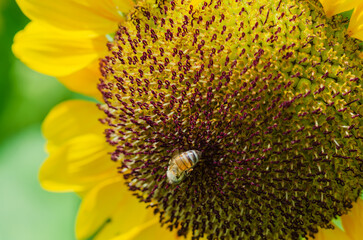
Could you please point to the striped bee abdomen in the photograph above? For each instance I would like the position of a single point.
(182, 163)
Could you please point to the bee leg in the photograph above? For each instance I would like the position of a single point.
(188, 171)
(181, 177)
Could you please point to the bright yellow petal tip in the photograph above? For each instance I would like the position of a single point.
(84, 81)
(77, 149)
(333, 7)
(136, 230)
(110, 212)
(71, 119)
(101, 17)
(77, 165)
(353, 221)
(331, 234)
(355, 28)
(150, 230)
(98, 207)
(56, 52)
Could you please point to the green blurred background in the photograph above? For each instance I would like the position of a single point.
(27, 212)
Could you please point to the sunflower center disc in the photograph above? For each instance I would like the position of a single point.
(269, 91)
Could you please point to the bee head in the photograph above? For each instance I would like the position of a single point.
(199, 153)
(172, 177)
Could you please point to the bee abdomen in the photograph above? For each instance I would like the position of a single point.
(182, 164)
(193, 156)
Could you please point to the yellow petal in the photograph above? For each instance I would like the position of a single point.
(154, 232)
(353, 221)
(135, 231)
(333, 7)
(78, 165)
(108, 210)
(72, 119)
(99, 16)
(97, 207)
(84, 81)
(355, 28)
(131, 220)
(129, 214)
(331, 234)
(79, 155)
(56, 52)
(149, 230)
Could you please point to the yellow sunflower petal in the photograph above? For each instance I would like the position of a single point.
(331, 234)
(355, 28)
(84, 81)
(135, 231)
(129, 215)
(108, 210)
(333, 7)
(57, 52)
(78, 165)
(149, 230)
(99, 16)
(71, 119)
(353, 221)
(79, 156)
(154, 231)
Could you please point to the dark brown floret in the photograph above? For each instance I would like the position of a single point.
(270, 92)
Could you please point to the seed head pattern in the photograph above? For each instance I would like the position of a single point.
(269, 91)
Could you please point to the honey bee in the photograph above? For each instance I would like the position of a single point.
(182, 164)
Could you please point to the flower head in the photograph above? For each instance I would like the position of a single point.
(269, 92)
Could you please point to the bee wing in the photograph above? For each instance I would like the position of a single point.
(175, 153)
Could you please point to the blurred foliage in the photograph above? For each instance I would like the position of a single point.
(25, 96)
(26, 210)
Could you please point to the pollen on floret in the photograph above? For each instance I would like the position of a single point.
(269, 91)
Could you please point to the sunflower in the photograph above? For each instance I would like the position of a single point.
(269, 92)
